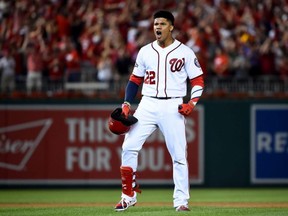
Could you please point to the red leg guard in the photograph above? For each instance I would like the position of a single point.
(127, 180)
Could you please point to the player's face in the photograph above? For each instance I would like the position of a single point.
(162, 29)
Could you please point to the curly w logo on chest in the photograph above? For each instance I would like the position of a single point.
(176, 64)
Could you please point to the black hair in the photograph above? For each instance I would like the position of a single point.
(164, 14)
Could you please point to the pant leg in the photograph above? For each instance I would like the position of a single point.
(172, 125)
(38, 81)
(135, 138)
(29, 82)
(11, 83)
(3, 82)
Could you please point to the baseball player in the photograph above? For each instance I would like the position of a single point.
(163, 67)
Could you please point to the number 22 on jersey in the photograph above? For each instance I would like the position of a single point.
(150, 78)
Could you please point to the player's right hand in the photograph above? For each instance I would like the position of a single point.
(126, 109)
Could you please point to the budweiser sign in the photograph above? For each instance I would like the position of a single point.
(62, 144)
(18, 142)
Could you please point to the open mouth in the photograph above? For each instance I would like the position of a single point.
(158, 34)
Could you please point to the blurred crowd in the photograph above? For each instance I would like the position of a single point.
(45, 43)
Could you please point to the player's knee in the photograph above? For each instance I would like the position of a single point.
(180, 161)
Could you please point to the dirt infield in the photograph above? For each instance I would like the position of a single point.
(208, 204)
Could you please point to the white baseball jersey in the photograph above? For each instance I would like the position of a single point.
(165, 70)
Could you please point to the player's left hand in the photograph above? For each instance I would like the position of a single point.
(186, 108)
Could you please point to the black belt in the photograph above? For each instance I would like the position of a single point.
(164, 98)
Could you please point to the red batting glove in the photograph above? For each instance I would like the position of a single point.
(126, 109)
(186, 108)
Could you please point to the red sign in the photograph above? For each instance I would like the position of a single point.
(72, 144)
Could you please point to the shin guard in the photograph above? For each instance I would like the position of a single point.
(129, 184)
(127, 179)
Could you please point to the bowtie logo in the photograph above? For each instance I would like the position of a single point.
(18, 143)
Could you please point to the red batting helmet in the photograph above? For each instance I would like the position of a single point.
(117, 127)
(118, 124)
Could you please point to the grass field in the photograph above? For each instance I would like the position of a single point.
(152, 202)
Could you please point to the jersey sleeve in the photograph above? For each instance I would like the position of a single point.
(197, 85)
(192, 66)
(139, 67)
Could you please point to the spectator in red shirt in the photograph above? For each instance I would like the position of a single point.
(221, 63)
(56, 68)
(72, 59)
(34, 69)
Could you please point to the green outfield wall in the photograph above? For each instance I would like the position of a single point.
(228, 142)
(239, 143)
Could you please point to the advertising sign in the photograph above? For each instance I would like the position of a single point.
(269, 144)
(61, 144)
